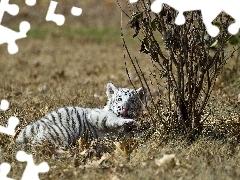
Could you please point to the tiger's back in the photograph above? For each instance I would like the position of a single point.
(64, 125)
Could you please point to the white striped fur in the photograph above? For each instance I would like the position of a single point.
(65, 126)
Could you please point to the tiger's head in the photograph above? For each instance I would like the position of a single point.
(124, 102)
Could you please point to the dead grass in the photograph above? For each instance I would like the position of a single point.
(53, 70)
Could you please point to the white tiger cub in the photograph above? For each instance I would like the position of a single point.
(65, 126)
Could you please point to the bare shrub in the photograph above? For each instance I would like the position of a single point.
(186, 58)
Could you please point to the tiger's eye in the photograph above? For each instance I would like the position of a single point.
(119, 99)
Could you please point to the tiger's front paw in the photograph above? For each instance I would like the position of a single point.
(128, 126)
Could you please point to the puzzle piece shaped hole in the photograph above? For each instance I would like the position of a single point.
(59, 19)
(4, 105)
(31, 169)
(9, 36)
(12, 9)
(76, 11)
(12, 124)
(210, 10)
(133, 1)
(4, 170)
(30, 2)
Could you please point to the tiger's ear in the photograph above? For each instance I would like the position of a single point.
(111, 89)
(143, 93)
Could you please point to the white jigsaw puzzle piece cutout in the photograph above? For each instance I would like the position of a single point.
(12, 121)
(9, 36)
(4, 105)
(4, 170)
(76, 11)
(10, 129)
(133, 1)
(59, 19)
(210, 10)
(12, 9)
(30, 2)
(31, 171)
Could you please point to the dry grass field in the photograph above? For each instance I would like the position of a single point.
(70, 66)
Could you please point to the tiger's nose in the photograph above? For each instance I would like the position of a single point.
(124, 112)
